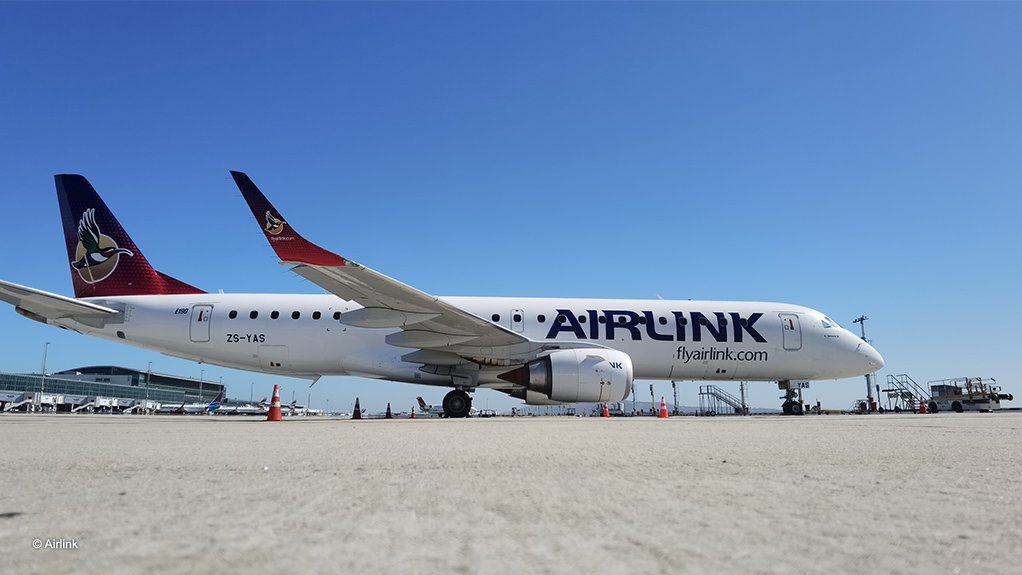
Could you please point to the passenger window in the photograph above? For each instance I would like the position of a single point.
(541, 318)
(316, 315)
(603, 319)
(253, 314)
(337, 315)
(581, 319)
(274, 314)
(561, 318)
(296, 314)
(642, 320)
(233, 314)
(495, 317)
(663, 320)
(517, 318)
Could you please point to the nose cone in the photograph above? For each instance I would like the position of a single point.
(874, 360)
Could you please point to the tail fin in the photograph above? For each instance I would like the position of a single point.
(422, 404)
(215, 404)
(103, 259)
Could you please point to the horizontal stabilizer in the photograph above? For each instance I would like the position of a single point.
(49, 306)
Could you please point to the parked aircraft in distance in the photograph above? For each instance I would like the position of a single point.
(541, 350)
(262, 408)
(193, 407)
(205, 407)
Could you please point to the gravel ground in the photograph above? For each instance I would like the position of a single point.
(769, 494)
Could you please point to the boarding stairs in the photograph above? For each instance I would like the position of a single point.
(83, 406)
(25, 399)
(904, 394)
(715, 401)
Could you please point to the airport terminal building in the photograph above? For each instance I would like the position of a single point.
(122, 386)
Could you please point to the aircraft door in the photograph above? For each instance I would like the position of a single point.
(517, 320)
(792, 331)
(199, 330)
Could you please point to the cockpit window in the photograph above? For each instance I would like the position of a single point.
(828, 323)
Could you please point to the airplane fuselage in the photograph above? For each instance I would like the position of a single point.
(303, 336)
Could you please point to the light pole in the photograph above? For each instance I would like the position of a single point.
(42, 382)
(202, 372)
(148, 376)
(861, 320)
(251, 385)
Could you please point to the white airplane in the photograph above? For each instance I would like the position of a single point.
(261, 409)
(210, 407)
(193, 407)
(541, 350)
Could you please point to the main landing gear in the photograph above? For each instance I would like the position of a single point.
(457, 403)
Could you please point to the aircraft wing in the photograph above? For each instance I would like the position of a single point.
(427, 323)
(41, 305)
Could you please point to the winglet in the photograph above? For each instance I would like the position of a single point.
(284, 239)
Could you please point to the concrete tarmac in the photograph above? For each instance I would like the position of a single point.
(769, 494)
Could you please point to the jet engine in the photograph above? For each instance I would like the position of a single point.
(575, 375)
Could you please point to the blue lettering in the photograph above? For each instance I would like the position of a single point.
(746, 325)
(651, 328)
(570, 323)
(680, 321)
(594, 325)
(631, 324)
(716, 329)
(699, 321)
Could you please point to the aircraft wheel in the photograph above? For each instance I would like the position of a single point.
(796, 408)
(457, 403)
(786, 407)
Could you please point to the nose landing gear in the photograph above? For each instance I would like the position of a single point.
(792, 399)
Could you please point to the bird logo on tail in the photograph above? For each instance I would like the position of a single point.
(96, 255)
(274, 225)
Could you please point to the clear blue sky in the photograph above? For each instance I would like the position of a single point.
(858, 158)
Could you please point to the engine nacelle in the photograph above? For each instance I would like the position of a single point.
(574, 375)
(531, 397)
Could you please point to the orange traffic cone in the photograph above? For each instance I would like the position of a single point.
(605, 412)
(274, 413)
(663, 409)
(388, 415)
(412, 416)
(357, 414)
(922, 407)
